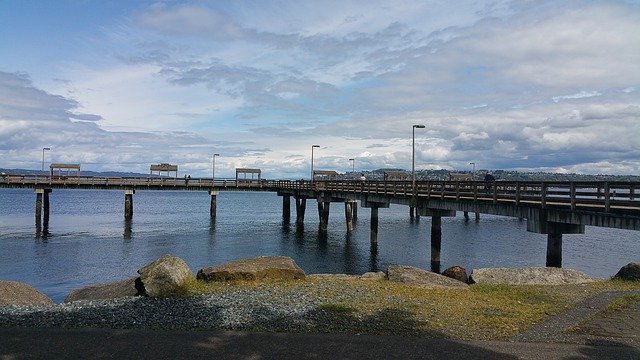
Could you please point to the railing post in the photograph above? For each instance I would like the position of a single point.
(543, 195)
(607, 197)
(442, 190)
(573, 195)
(517, 193)
(457, 190)
(475, 191)
(495, 192)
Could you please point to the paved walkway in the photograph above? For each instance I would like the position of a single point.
(140, 344)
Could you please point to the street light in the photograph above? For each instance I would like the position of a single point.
(213, 169)
(413, 156)
(43, 149)
(312, 146)
(353, 167)
(473, 171)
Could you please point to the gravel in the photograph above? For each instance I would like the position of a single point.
(257, 309)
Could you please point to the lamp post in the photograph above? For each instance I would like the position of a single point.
(43, 149)
(413, 156)
(473, 171)
(312, 146)
(213, 169)
(353, 167)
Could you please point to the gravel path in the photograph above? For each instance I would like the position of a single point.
(555, 328)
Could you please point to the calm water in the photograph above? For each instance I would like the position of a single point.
(89, 241)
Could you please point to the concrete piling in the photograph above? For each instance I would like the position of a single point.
(374, 224)
(128, 204)
(348, 214)
(213, 206)
(286, 209)
(554, 250)
(436, 242)
(301, 206)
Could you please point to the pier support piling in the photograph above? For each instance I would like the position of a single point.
(39, 193)
(374, 224)
(554, 250)
(411, 212)
(477, 216)
(301, 206)
(213, 207)
(348, 214)
(436, 242)
(286, 208)
(354, 208)
(323, 214)
(466, 215)
(128, 203)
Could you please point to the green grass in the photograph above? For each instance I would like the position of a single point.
(383, 307)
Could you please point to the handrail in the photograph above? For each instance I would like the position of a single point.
(600, 195)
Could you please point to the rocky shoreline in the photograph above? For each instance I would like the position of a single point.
(309, 306)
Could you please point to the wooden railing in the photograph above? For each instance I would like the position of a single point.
(603, 196)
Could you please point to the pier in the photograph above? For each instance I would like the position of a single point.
(551, 208)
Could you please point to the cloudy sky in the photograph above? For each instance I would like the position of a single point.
(120, 85)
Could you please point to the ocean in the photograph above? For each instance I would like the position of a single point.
(89, 242)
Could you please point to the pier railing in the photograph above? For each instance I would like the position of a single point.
(600, 196)
(595, 195)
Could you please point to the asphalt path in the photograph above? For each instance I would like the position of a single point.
(36, 343)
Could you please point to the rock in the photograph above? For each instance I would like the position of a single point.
(262, 267)
(631, 271)
(373, 275)
(458, 273)
(109, 291)
(415, 276)
(163, 276)
(528, 276)
(16, 293)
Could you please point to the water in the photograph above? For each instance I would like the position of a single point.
(89, 241)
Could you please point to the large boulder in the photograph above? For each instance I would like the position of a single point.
(258, 268)
(109, 291)
(631, 271)
(457, 272)
(16, 293)
(528, 276)
(423, 278)
(163, 276)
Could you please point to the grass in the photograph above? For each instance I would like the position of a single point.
(622, 303)
(495, 312)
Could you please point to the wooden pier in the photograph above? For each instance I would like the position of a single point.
(552, 208)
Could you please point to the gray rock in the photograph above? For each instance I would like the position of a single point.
(631, 271)
(423, 278)
(262, 267)
(105, 291)
(373, 275)
(16, 293)
(528, 276)
(457, 272)
(163, 276)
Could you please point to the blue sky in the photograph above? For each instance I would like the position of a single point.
(119, 85)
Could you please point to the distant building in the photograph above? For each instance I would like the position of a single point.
(325, 175)
(460, 177)
(396, 176)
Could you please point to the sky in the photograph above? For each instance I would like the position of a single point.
(517, 85)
